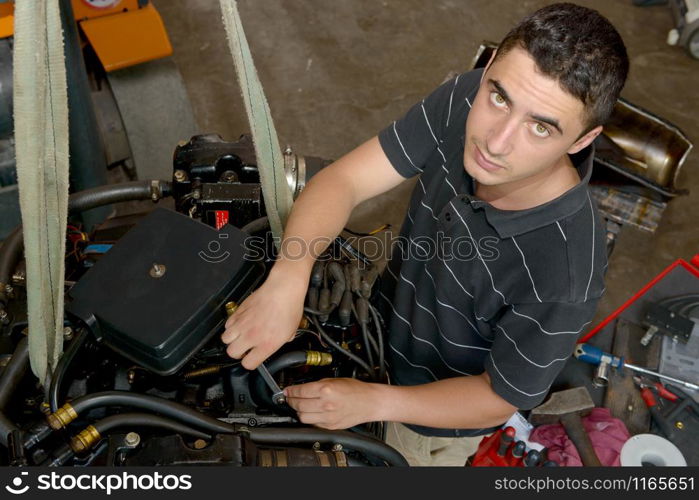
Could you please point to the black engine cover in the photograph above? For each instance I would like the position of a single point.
(160, 316)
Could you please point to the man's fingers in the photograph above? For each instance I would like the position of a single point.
(256, 356)
(306, 405)
(309, 390)
(318, 419)
(238, 348)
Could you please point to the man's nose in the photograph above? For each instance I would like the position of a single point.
(499, 140)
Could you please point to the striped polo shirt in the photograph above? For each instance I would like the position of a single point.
(471, 288)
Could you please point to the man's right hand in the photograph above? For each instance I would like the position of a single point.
(264, 321)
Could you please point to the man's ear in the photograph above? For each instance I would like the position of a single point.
(585, 140)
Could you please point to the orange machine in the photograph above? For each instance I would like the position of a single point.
(122, 32)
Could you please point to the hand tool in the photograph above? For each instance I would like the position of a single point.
(277, 394)
(517, 453)
(568, 407)
(596, 356)
(506, 439)
(656, 387)
(532, 458)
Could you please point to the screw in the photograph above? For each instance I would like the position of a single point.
(337, 447)
(180, 175)
(229, 176)
(679, 425)
(199, 444)
(4, 317)
(252, 422)
(131, 376)
(9, 291)
(158, 270)
(288, 150)
(68, 333)
(132, 439)
(630, 408)
(19, 277)
(316, 446)
(196, 194)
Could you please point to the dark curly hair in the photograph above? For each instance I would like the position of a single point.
(580, 49)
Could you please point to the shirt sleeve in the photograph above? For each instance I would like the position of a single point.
(409, 141)
(531, 344)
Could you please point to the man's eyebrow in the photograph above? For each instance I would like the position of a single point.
(543, 119)
(551, 121)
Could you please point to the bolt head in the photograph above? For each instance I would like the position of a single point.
(132, 439)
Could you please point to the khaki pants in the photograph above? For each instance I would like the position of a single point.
(421, 450)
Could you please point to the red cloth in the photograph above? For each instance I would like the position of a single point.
(608, 435)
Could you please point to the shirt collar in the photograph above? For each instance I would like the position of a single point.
(509, 223)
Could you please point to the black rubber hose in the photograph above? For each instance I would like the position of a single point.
(366, 445)
(62, 368)
(14, 372)
(11, 376)
(116, 193)
(6, 427)
(107, 424)
(256, 225)
(171, 409)
(78, 202)
(258, 388)
(10, 253)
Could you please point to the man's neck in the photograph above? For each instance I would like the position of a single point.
(531, 191)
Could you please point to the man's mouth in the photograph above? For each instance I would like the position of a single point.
(483, 162)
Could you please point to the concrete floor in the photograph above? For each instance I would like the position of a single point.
(336, 72)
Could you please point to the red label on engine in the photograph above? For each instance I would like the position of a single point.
(221, 218)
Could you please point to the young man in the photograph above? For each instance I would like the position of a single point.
(480, 326)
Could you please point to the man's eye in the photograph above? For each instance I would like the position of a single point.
(540, 130)
(497, 100)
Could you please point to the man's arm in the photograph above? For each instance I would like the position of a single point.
(269, 317)
(454, 403)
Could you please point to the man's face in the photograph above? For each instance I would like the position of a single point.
(521, 123)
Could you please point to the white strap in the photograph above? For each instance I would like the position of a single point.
(41, 135)
(270, 162)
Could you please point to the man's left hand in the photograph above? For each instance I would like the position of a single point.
(337, 403)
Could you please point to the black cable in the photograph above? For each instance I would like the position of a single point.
(107, 424)
(368, 347)
(352, 441)
(155, 404)
(339, 348)
(379, 334)
(14, 371)
(62, 368)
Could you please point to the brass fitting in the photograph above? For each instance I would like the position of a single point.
(85, 440)
(201, 372)
(304, 324)
(317, 358)
(230, 308)
(62, 417)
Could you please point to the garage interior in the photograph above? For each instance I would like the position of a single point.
(336, 73)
